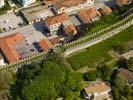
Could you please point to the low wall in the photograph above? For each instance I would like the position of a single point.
(26, 61)
(97, 39)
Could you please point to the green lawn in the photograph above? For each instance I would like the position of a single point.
(99, 51)
(93, 36)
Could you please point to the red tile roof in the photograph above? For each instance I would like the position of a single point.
(70, 30)
(7, 46)
(55, 40)
(46, 44)
(105, 10)
(57, 19)
(87, 14)
(67, 3)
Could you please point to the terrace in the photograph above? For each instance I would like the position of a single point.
(7, 22)
(36, 13)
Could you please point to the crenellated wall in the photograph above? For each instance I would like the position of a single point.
(112, 30)
(82, 43)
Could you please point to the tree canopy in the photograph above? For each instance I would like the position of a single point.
(47, 81)
(6, 79)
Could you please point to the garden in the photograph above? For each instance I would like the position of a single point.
(90, 56)
(99, 33)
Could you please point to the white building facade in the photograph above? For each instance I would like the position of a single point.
(27, 2)
(55, 22)
(72, 8)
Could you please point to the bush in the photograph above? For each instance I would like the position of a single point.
(47, 81)
(90, 76)
(118, 48)
(115, 93)
(106, 72)
(122, 63)
(95, 53)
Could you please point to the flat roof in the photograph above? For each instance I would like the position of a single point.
(67, 3)
(7, 46)
(75, 20)
(22, 49)
(10, 21)
(37, 12)
(46, 44)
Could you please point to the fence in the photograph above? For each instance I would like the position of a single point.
(111, 27)
(29, 60)
(83, 43)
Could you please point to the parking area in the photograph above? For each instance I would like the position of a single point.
(10, 22)
(30, 39)
(31, 34)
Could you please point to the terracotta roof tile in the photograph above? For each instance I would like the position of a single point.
(67, 3)
(70, 30)
(55, 40)
(87, 15)
(7, 46)
(57, 19)
(46, 44)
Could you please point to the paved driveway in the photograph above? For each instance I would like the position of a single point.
(10, 21)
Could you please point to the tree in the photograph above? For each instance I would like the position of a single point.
(115, 92)
(128, 91)
(123, 98)
(130, 63)
(90, 76)
(122, 63)
(6, 79)
(55, 79)
(119, 82)
(59, 48)
(118, 48)
(106, 72)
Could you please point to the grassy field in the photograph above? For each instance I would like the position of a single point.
(94, 54)
(105, 31)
